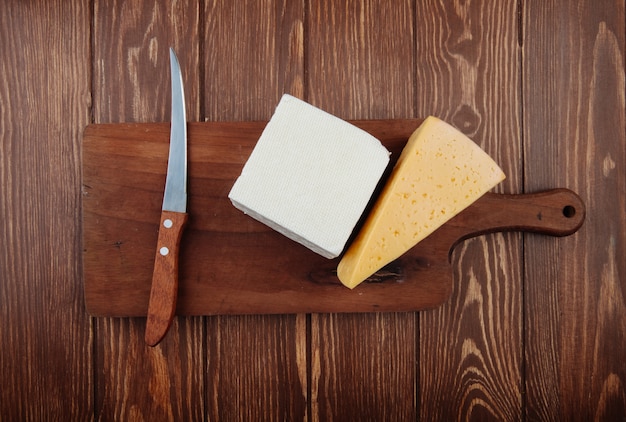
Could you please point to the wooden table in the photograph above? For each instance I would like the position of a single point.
(536, 326)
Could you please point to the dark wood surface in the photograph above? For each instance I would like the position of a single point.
(535, 328)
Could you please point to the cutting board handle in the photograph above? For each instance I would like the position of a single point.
(555, 212)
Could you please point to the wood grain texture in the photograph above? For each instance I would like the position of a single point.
(131, 59)
(532, 335)
(131, 83)
(253, 53)
(45, 336)
(363, 368)
(363, 67)
(137, 382)
(470, 352)
(574, 113)
(257, 368)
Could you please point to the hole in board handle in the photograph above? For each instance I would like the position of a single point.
(569, 211)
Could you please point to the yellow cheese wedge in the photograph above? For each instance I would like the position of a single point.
(439, 173)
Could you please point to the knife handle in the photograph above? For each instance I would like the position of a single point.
(162, 305)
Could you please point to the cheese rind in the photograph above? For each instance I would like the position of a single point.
(310, 176)
(439, 173)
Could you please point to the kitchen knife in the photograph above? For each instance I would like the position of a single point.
(164, 291)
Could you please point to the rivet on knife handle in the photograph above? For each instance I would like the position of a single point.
(165, 277)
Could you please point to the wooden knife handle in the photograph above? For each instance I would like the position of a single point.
(164, 291)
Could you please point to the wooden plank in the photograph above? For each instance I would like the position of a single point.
(362, 366)
(575, 135)
(257, 367)
(45, 362)
(359, 57)
(253, 54)
(470, 349)
(131, 83)
(131, 59)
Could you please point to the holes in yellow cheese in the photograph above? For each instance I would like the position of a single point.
(439, 173)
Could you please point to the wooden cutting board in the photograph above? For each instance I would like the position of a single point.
(231, 264)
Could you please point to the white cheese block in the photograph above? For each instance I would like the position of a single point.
(439, 173)
(310, 176)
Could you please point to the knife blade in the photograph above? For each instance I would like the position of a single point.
(164, 290)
